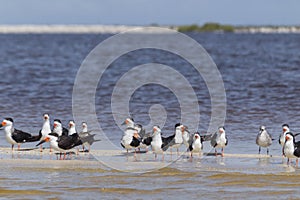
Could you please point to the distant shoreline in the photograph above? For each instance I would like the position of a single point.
(114, 29)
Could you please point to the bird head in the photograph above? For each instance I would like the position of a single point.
(84, 125)
(7, 122)
(71, 124)
(156, 129)
(285, 128)
(288, 137)
(221, 130)
(196, 135)
(46, 116)
(262, 128)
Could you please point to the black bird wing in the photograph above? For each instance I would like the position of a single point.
(297, 149)
(213, 140)
(54, 134)
(147, 141)
(88, 138)
(205, 138)
(76, 140)
(226, 140)
(65, 131)
(167, 142)
(281, 134)
(191, 147)
(21, 136)
(69, 142)
(135, 142)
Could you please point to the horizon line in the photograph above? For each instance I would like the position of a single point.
(98, 28)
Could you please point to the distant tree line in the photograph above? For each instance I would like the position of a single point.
(207, 27)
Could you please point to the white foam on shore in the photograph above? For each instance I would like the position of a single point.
(262, 29)
(113, 29)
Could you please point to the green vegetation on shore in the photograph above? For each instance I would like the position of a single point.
(208, 27)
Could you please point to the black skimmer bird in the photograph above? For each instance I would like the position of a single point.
(142, 135)
(84, 134)
(285, 130)
(15, 136)
(46, 129)
(58, 128)
(159, 144)
(130, 138)
(175, 140)
(62, 143)
(128, 134)
(219, 140)
(196, 145)
(291, 149)
(263, 139)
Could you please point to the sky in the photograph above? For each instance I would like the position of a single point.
(146, 12)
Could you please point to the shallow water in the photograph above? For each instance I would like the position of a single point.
(203, 178)
(260, 74)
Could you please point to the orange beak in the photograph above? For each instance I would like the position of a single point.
(287, 137)
(3, 123)
(54, 125)
(182, 129)
(47, 139)
(136, 135)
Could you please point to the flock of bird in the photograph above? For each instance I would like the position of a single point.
(290, 148)
(60, 138)
(135, 137)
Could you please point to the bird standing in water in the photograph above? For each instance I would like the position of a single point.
(219, 140)
(263, 139)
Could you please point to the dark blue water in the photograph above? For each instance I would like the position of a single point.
(260, 73)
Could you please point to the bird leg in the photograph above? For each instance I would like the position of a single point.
(12, 147)
(41, 148)
(288, 161)
(177, 152)
(191, 157)
(296, 162)
(267, 151)
(216, 153)
(155, 156)
(259, 150)
(222, 152)
(163, 156)
(135, 154)
(19, 145)
(64, 156)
